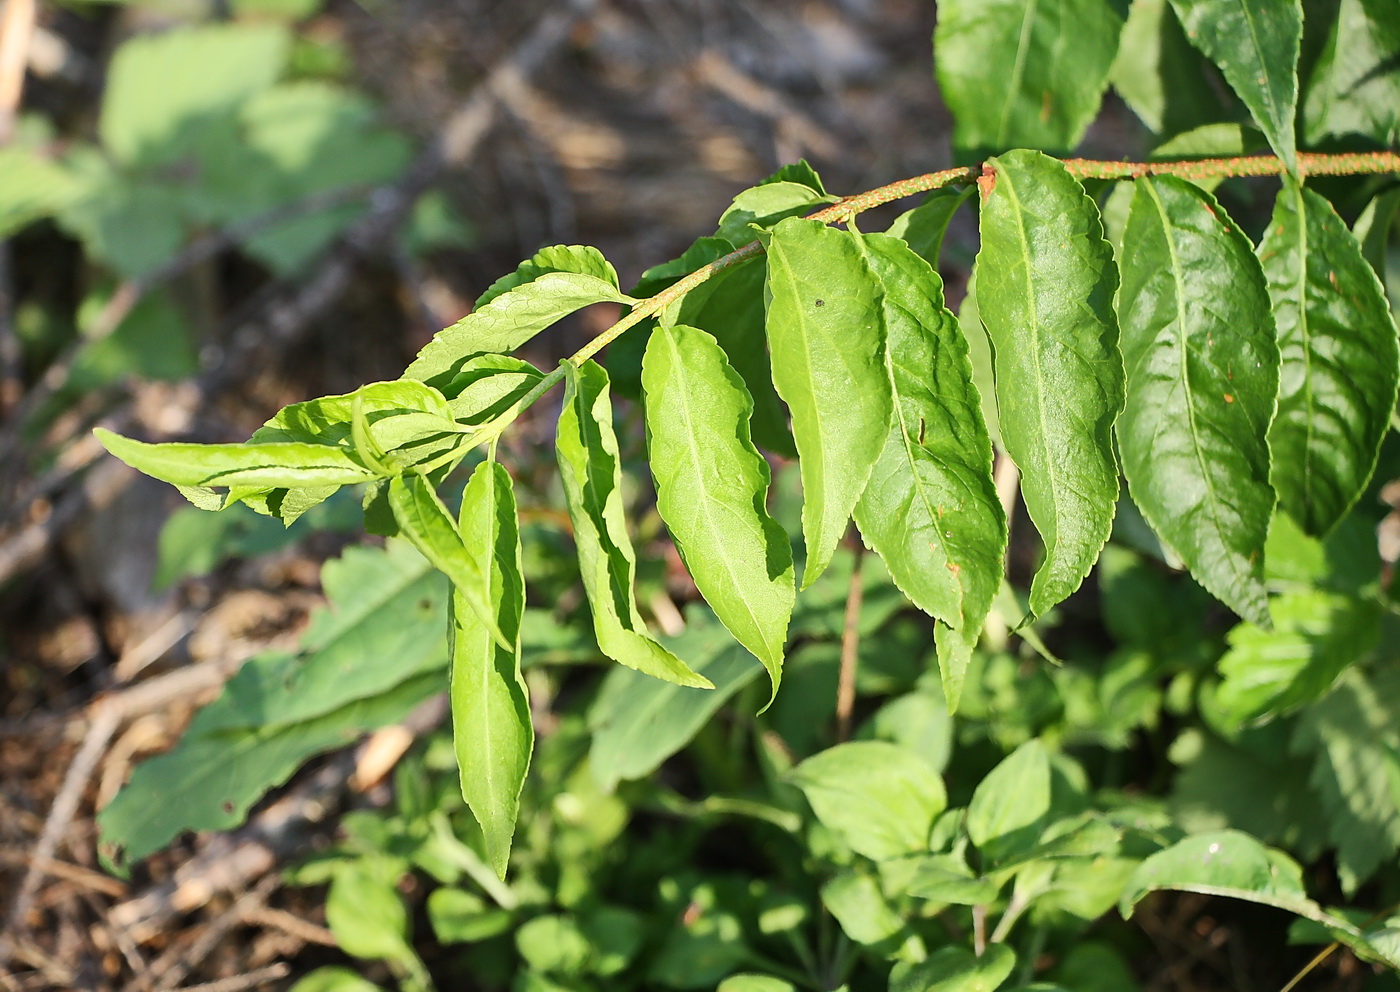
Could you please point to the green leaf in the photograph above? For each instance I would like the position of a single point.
(826, 331)
(979, 355)
(1339, 362)
(1255, 43)
(765, 205)
(1160, 76)
(955, 969)
(947, 878)
(548, 287)
(1198, 339)
(426, 523)
(638, 722)
(488, 385)
(879, 798)
(1354, 88)
(800, 172)
(923, 227)
(754, 983)
(163, 89)
(365, 661)
(731, 307)
(492, 731)
(1045, 284)
(712, 488)
(34, 187)
(865, 915)
(1224, 863)
(1009, 807)
(461, 917)
(1022, 72)
(276, 465)
(365, 910)
(333, 978)
(592, 476)
(1372, 229)
(1316, 637)
(930, 508)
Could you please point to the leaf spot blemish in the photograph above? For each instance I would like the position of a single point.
(821, 303)
(1229, 398)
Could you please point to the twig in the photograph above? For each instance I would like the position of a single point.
(850, 651)
(175, 964)
(240, 983)
(104, 724)
(272, 918)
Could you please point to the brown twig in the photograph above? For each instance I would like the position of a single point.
(240, 983)
(850, 651)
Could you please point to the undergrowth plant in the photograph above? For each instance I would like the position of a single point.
(1121, 324)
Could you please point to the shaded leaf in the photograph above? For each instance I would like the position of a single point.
(1010, 806)
(1021, 72)
(827, 335)
(712, 488)
(1354, 88)
(1198, 341)
(923, 227)
(1339, 361)
(592, 477)
(930, 508)
(1045, 284)
(1160, 76)
(1255, 43)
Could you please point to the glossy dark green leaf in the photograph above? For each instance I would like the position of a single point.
(1045, 284)
(492, 731)
(592, 477)
(930, 508)
(550, 286)
(1255, 43)
(712, 489)
(1339, 360)
(880, 799)
(1022, 72)
(424, 520)
(1198, 341)
(827, 336)
(1354, 88)
(1160, 76)
(287, 464)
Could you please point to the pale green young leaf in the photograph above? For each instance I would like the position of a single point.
(424, 520)
(488, 385)
(712, 489)
(553, 284)
(947, 878)
(491, 728)
(590, 470)
(879, 798)
(765, 205)
(930, 508)
(923, 227)
(1045, 285)
(854, 897)
(1354, 88)
(1198, 339)
(285, 464)
(1255, 43)
(1160, 76)
(1339, 361)
(366, 911)
(1009, 807)
(1022, 72)
(827, 336)
(1316, 636)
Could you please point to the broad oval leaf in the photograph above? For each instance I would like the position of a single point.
(1010, 806)
(1339, 361)
(429, 527)
(879, 798)
(827, 336)
(765, 205)
(1045, 284)
(712, 487)
(955, 969)
(1023, 72)
(1255, 43)
(291, 464)
(592, 477)
(930, 508)
(1198, 340)
(548, 287)
(492, 731)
